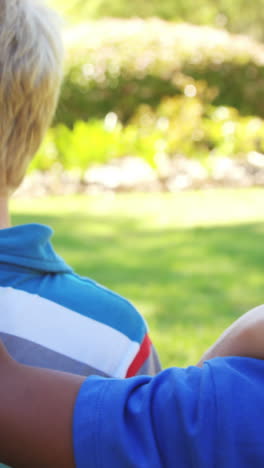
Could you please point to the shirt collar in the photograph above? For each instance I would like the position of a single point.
(29, 245)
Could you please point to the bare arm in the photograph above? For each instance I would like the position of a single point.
(245, 337)
(36, 405)
(36, 408)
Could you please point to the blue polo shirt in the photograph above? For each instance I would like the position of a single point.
(199, 418)
(51, 317)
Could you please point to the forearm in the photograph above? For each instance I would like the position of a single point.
(36, 409)
(230, 343)
(245, 337)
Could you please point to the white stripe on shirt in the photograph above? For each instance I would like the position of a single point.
(60, 329)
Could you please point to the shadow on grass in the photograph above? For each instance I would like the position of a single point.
(189, 276)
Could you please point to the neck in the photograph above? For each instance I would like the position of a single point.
(4, 213)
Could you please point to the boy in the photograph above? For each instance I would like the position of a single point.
(52, 317)
(196, 417)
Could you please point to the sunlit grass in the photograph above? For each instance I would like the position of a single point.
(190, 262)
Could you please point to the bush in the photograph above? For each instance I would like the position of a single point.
(97, 141)
(237, 16)
(195, 131)
(180, 125)
(114, 66)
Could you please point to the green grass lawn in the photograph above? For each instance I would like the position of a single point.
(190, 262)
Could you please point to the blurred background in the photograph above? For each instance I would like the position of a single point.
(166, 95)
(152, 173)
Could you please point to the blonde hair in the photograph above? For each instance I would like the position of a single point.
(31, 57)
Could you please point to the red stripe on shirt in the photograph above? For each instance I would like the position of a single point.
(141, 357)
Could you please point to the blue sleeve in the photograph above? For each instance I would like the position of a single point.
(202, 418)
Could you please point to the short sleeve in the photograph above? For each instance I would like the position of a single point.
(159, 422)
(239, 392)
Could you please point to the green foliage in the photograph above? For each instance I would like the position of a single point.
(47, 155)
(180, 125)
(86, 143)
(187, 127)
(114, 66)
(237, 16)
(191, 263)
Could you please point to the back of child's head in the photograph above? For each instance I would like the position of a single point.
(31, 58)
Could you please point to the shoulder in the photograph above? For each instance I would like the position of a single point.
(83, 296)
(97, 302)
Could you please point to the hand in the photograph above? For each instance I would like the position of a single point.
(245, 337)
